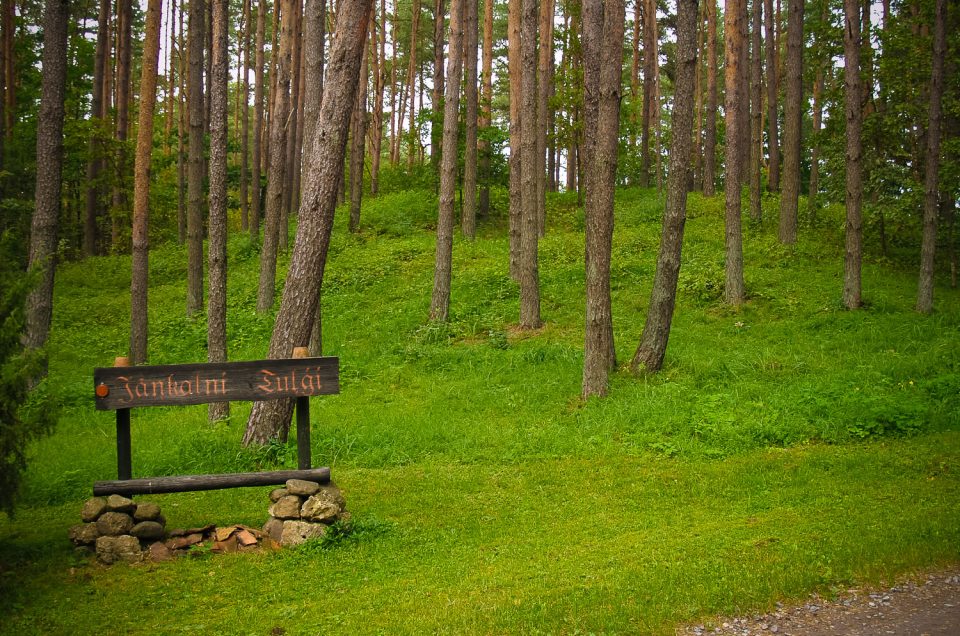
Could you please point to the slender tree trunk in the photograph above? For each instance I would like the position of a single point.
(9, 68)
(121, 203)
(773, 79)
(195, 198)
(792, 118)
(299, 305)
(756, 110)
(469, 219)
(710, 135)
(139, 271)
(514, 65)
(245, 121)
(698, 91)
(379, 73)
(436, 97)
(258, 86)
(603, 31)
(650, 62)
(543, 94)
(44, 226)
(636, 61)
(277, 156)
(94, 164)
(314, 27)
(440, 300)
(207, 70)
(932, 164)
(854, 196)
(217, 305)
(656, 330)
(486, 100)
(529, 230)
(411, 80)
(181, 132)
(291, 188)
(358, 137)
(734, 291)
(815, 143)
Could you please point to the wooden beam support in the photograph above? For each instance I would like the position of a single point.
(189, 483)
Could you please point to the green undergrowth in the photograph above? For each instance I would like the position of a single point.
(487, 495)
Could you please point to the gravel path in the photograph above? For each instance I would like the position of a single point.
(928, 606)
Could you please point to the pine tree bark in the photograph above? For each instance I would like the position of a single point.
(258, 89)
(358, 137)
(379, 48)
(545, 55)
(773, 79)
(411, 80)
(440, 299)
(486, 99)
(245, 120)
(471, 26)
(528, 266)
(656, 330)
(513, 68)
(854, 126)
(278, 159)
(756, 112)
(291, 187)
(44, 227)
(195, 163)
(649, 89)
(95, 164)
(932, 163)
(734, 290)
(120, 213)
(813, 194)
(141, 185)
(299, 305)
(315, 18)
(182, 130)
(710, 134)
(792, 119)
(9, 68)
(436, 96)
(603, 33)
(217, 259)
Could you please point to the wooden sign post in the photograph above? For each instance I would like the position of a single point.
(122, 387)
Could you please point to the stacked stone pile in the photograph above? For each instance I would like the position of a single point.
(117, 528)
(304, 510)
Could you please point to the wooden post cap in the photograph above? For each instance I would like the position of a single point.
(301, 352)
(121, 361)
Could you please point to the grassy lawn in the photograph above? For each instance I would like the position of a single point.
(787, 447)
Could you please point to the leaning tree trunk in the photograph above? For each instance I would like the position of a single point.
(930, 184)
(46, 213)
(141, 186)
(440, 300)
(734, 291)
(792, 119)
(603, 29)
(217, 305)
(656, 329)
(324, 165)
(195, 29)
(854, 157)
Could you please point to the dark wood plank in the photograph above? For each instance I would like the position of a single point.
(182, 384)
(189, 483)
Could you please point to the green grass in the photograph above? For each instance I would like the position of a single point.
(786, 447)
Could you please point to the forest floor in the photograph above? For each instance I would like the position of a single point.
(927, 605)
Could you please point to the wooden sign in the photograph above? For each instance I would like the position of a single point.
(181, 384)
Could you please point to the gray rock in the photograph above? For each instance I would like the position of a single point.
(84, 534)
(111, 524)
(93, 508)
(286, 508)
(273, 528)
(118, 503)
(319, 509)
(116, 549)
(159, 552)
(296, 532)
(147, 530)
(277, 494)
(302, 487)
(147, 511)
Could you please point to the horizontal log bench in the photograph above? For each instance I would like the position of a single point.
(122, 387)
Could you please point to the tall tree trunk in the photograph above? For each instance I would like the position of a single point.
(603, 31)
(513, 71)
(485, 107)
(379, 46)
(710, 134)
(9, 68)
(529, 231)
(217, 305)
(543, 94)
(182, 130)
(814, 190)
(773, 79)
(94, 163)
(698, 90)
(298, 307)
(171, 77)
(195, 196)
(650, 62)
(854, 127)
(139, 271)
(291, 188)
(44, 226)
(656, 329)
(932, 164)
(734, 291)
(121, 202)
(314, 31)
(257, 161)
(469, 219)
(411, 80)
(245, 121)
(440, 300)
(792, 119)
(636, 61)
(358, 137)
(436, 97)
(756, 110)
(277, 155)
